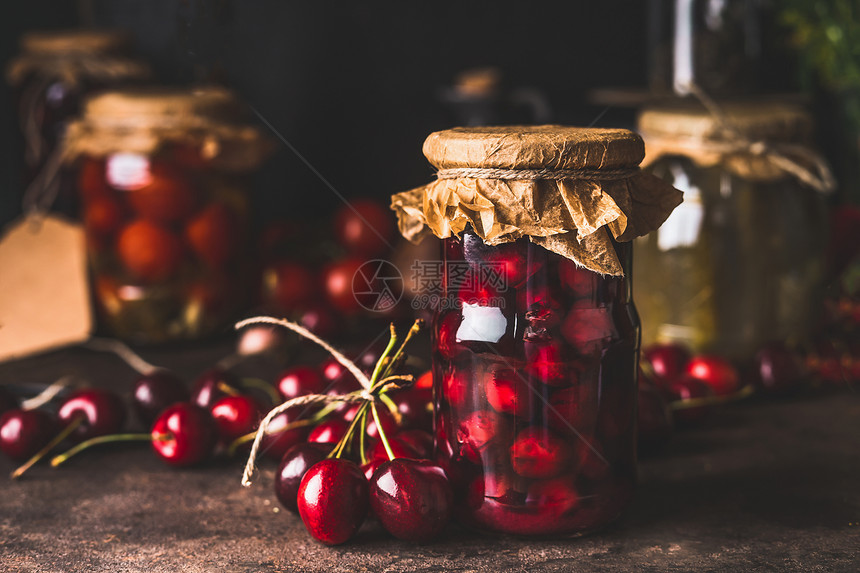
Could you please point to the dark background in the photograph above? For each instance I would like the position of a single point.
(354, 86)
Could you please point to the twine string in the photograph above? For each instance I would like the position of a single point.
(535, 174)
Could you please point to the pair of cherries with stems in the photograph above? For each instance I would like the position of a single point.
(411, 498)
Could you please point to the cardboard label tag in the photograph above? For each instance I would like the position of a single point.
(44, 298)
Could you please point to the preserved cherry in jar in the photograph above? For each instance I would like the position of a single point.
(535, 338)
(162, 177)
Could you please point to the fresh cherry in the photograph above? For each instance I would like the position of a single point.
(539, 453)
(278, 440)
(716, 372)
(667, 361)
(420, 441)
(184, 434)
(319, 319)
(236, 416)
(411, 498)
(687, 388)
(777, 368)
(213, 385)
(25, 432)
(300, 381)
(389, 424)
(330, 430)
(415, 406)
(425, 381)
(102, 413)
(333, 500)
(295, 463)
(288, 285)
(155, 391)
(364, 227)
(150, 252)
(337, 284)
(399, 448)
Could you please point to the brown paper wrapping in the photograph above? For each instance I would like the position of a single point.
(572, 217)
(143, 120)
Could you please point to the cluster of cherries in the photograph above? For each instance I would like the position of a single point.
(297, 288)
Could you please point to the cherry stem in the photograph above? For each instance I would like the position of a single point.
(227, 389)
(341, 445)
(392, 340)
(362, 439)
(110, 438)
(413, 330)
(262, 385)
(249, 437)
(379, 429)
(65, 433)
(392, 407)
(711, 400)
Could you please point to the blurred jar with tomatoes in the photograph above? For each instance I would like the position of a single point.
(162, 176)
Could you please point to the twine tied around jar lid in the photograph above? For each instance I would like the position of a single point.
(208, 119)
(759, 140)
(571, 190)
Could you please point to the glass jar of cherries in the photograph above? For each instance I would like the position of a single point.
(740, 263)
(162, 176)
(535, 338)
(53, 75)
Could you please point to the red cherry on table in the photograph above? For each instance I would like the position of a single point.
(337, 284)
(102, 413)
(149, 252)
(328, 431)
(420, 441)
(333, 500)
(155, 391)
(399, 448)
(667, 361)
(364, 227)
(295, 463)
(164, 196)
(777, 368)
(300, 381)
(508, 393)
(716, 372)
(411, 498)
(25, 432)
(236, 416)
(7, 400)
(685, 389)
(184, 435)
(278, 440)
(212, 385)
(288, 285)
(539, 453)
(213, 234)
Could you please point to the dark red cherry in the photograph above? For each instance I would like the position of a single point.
(319, 319)
(364, 227)
(667, 361)
(279, 440)
(371, 466)
(539, 453)
(415, 406)
(7, 400)
(333, 500)
(295, 463)
(778, 369)
(716, 372)
(184, 434)
(425, 381)
(419, 440)
(554, 496)
(546, 364)
(288, 285)
(508, 393)
(411, 498)
(337, 279)
(25, 432)
(330, 430)
(102, 411)
(399, 448)
(154, 392)
(685, 389)
(236, 416)
(300, 381)
(211, 386)
(475, 433)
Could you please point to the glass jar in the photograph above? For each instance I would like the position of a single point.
(535, 336)
(162, 176)
(535, 370)
(739, 263)
(54, 74)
